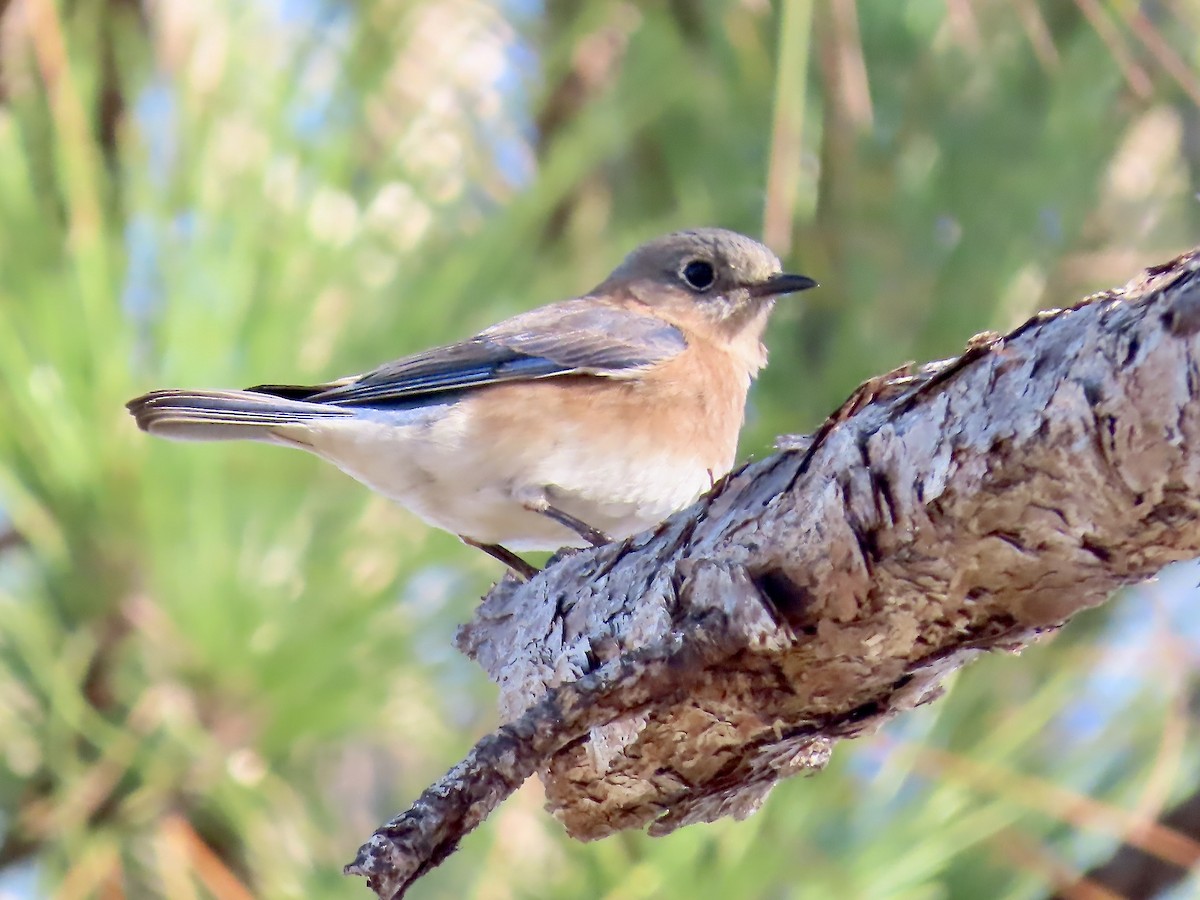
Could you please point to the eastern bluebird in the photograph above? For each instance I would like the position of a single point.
(568, 425)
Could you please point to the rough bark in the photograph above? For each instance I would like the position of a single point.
(964, 506)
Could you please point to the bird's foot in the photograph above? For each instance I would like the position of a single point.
(593, 536)
(523, 570)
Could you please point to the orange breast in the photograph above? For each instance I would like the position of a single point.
(690, 407)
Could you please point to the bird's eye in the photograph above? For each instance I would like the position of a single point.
(699, 274)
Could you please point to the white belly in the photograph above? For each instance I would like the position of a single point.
(433, 464)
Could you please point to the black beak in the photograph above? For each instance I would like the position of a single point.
(783, 283)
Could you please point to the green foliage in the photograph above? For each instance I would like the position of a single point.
(221, 666)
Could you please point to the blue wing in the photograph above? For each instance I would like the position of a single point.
(577, 337)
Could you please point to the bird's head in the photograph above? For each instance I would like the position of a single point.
(707, 275)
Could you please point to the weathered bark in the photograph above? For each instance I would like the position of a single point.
(964, 506)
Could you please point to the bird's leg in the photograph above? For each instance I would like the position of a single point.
(593, 536)
(520, 568)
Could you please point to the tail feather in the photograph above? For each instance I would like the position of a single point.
(223, 415)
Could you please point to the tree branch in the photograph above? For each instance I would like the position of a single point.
(964, 506)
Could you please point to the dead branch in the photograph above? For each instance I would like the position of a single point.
(965, 506)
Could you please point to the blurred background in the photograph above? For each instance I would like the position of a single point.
(222, 666)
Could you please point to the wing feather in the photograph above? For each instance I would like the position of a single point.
(578, 337)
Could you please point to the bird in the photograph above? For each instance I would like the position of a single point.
(572, 424)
